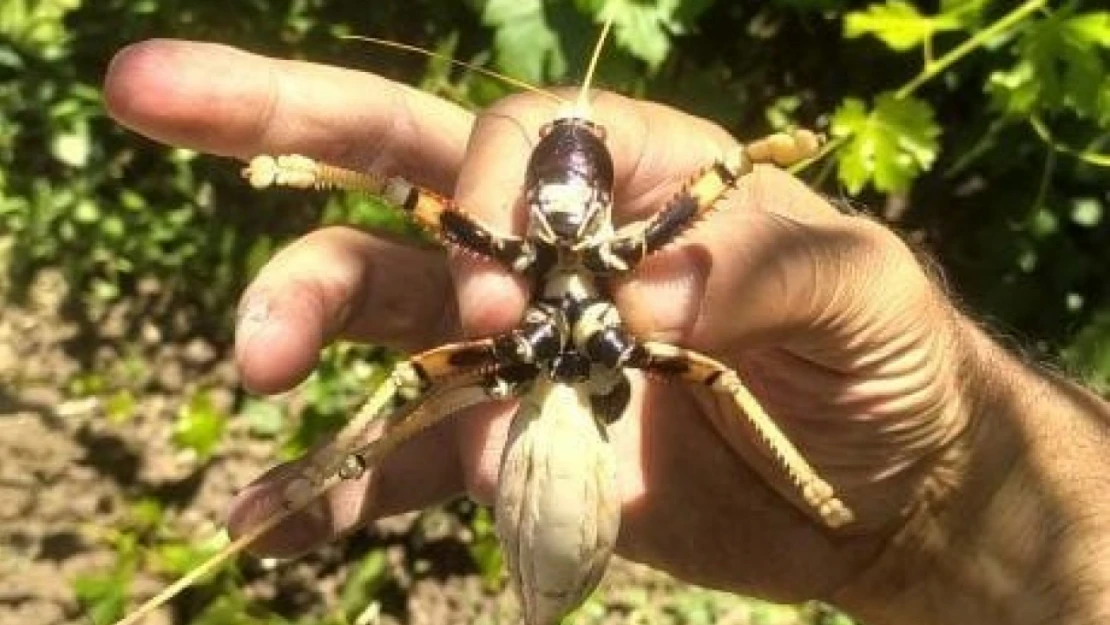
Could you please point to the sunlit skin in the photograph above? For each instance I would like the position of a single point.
(830, 319)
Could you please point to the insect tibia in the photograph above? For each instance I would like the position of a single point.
(816, 492)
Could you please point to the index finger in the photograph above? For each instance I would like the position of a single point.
(226, 101)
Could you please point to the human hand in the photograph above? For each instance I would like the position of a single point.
(830, 319)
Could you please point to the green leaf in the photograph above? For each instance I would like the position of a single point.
(1062, 64)
(36, 24)
(644, 28)
(265, 418)
(364, 583)
(888, 146)
(1089, 352)
(485, 550)
(103, 597)
(968, 13)
(199, 425)
(898, 24)
(119, 407)
(179, 557)
(235, 609)
(526, 45)
(145, 514)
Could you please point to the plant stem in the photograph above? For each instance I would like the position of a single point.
(974, 42)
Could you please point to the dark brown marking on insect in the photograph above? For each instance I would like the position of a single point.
(712, 378)
(663, 364)
(543, 337)
(724, 173)
(461, 229)
(671, 221)
(472, 357)
(570, 367)
(422, 375)
(571, 151)
(512, 377)
(411, 200)
(611, 346)
(452, 358)
(609, 406)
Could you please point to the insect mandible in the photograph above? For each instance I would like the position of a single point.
(567, 361)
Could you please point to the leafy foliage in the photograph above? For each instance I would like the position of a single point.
(890, 145)
(199, 426)
(898, 24)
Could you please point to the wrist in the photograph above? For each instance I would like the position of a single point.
(1006, 530)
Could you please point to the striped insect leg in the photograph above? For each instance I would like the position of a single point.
(700, 194)
(412, 383)
(436, 214)
(675, 362)
(402, 424)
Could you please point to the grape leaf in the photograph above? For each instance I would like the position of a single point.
(898, 24)
(887, 146)
(525, 43)
(641, 28)
(644, 27)
(1062, 64)
(969, 13)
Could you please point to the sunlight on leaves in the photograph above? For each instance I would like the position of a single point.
(887, 146)
(199, 425)
(526, 45)
(1062, 64)
(898, 24)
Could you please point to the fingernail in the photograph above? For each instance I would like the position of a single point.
(255, 313)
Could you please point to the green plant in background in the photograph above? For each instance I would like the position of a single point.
(980, 128)
(199, 425)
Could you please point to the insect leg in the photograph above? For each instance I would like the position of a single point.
(408, 387)
(436, 214)
(675, 362)
(700, 194)
(461, 392)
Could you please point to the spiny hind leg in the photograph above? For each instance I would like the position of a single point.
(325, 470)
(436, 214)
(813, 491)
(403, 400)
(698, 196)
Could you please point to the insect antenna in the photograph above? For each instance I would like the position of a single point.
(582, 104)
(229, 551)
(515, 82)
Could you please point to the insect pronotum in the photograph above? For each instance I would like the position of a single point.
(558, 507)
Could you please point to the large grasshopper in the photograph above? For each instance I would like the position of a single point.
(558, 506)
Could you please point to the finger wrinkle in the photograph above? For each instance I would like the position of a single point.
(269, 110)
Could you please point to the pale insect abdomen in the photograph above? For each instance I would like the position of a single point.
(558, 504)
